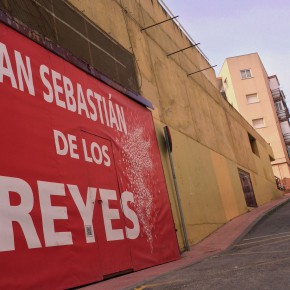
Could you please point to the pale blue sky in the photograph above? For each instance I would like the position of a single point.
(228, 28)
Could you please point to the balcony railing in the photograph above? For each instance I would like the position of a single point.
(283, 115)
(286, 138)
(278, 94)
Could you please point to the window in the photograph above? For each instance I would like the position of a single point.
(253, 144)
(279, 106)
(258, 123)
(253, 98)
(246, 74)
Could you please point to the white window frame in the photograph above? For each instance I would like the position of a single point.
(246, 74)
(258, 125)
(249, 96)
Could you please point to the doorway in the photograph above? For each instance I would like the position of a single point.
(247, 188)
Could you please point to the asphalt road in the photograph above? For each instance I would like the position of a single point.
(261, 260)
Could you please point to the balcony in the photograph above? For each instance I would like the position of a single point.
(283, 115)
(278, 95)
(287, 138)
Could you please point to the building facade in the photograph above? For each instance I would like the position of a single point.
(113, 74)
(261, 102)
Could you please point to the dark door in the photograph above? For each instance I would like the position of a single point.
(247, 188)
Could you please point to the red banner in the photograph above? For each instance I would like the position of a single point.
(82, 190)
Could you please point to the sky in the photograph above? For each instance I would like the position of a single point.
(227, 28)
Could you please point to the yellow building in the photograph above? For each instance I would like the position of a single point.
(215, 150)
(261, 102)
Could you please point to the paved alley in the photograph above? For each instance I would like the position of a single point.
(260, 260)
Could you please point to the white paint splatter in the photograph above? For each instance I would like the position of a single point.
(138, 164)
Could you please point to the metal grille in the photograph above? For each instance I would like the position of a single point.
(59, 22)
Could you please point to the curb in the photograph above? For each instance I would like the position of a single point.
(218, 252)
(255, 222)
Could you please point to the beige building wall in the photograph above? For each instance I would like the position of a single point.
(210, 138)
(238, 89)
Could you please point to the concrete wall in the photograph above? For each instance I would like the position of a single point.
(210, 138)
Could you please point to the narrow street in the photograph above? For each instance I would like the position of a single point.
(260, 260)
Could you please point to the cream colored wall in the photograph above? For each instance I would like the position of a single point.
(210, 139)
(281, 170)
(229, 89)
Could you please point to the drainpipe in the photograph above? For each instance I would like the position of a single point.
(168, 141)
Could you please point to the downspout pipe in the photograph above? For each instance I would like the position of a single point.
(169, 149)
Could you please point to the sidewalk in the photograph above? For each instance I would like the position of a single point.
(217, 242)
